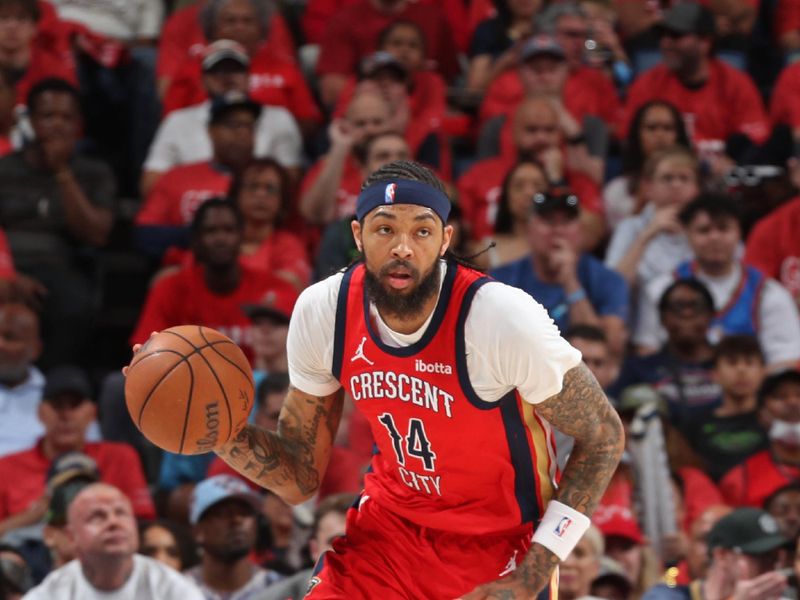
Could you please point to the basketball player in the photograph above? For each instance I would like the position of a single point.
(460, 378)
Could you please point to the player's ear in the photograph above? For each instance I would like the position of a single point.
(447, 238)
(355, 226)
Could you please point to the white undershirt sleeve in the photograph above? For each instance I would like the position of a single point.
(779, 331)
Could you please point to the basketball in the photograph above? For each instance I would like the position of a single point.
(189, 389)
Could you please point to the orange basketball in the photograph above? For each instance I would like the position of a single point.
(189, 389)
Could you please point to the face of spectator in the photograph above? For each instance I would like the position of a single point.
(261, 195)
(525, 182)
(524, 9)
(20, 345)
(598, 358)
(237, 20)
(227, 530)
(547, 231)
(17, 30)
(571, 32)
(159, 543)
(233, 138)
(59, 543)
(658, 130)
(330, 527)
(385, 149)
(577, 572)
(536, 129)
(367, 115)
(102, 524)
(627, 553)
(739, 376)
(65, 418)
(218, 239)
(278, 513)
(268, 338)
(682, 54)
(686, 317)
(270, 410)
(55, 115)
(697, 549)
(674, 183)
(544, 75)
(785, 507)
(783, 403)
(713, 241)
(227, 76)
(407, 45)
(392, 86)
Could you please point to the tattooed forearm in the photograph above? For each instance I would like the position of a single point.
(291, 461)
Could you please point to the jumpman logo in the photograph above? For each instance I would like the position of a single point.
(511, 565)
(360, 353)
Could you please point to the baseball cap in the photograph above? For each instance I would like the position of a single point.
(772, 382)
(556, 199)
(230, 101)
(66, 380)
(618, 520)
(222, 50)
(542, 45)
(748, 530)
(277, 303)
(71, 466)
(219, 488)
(379, 61)
(688, 17)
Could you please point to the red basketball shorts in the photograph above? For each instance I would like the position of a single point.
(383, 556)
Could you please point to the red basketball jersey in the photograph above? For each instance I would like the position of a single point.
(444, 458)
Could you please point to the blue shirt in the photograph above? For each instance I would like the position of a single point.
(606, 289)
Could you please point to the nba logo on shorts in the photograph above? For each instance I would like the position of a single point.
(562, 526)
(388, 197)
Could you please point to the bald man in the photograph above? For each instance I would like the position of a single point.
(102, 528)
(331, 186)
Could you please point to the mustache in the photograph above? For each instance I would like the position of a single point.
(399, 264)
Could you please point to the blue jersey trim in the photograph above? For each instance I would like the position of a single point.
(461, 347)
(520, 450)
(438, 316)
(341, 323)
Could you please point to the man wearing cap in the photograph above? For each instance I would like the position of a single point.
(459, 378)
(223, 514)
(753, 481)
(102, 527)
(574, 287)
(720, 104)
(747, 552)
(183, 138)
(66, 412)
(172, 202)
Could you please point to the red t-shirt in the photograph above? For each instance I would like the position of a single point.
(6, 259)
(318, 13)
(752, 482)
(479, 191)
(587, 91)
(773, 246)
(5, 146)
(728, 103)
(784, 107)
(273, 82)
(352, 34)
(177, 194)
(349, 187)
(183, 298)
(44, 63)
(182, 37)
(282, 251)
(25, 477)
(787, 17)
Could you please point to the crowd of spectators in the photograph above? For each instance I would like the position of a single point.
(634, 165)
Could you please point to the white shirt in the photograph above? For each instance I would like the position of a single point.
(124, 20)
(511, 342)
(618, 202)
(182, 138)
(779, 322)
(662, 254)
(149, 580)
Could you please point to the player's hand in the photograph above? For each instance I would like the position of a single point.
(136, 348)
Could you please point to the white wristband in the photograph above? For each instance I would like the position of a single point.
(561, 528)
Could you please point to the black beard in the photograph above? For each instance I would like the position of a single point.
(402, 306)
(227, 555)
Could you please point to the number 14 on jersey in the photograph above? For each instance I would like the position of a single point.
(414, 444)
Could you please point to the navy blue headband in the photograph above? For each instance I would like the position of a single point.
(402, 191)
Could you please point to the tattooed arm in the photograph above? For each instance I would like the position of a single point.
(581, 410)
(292, 461)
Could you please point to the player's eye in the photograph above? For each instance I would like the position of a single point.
(424, 232)
(384, 229)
